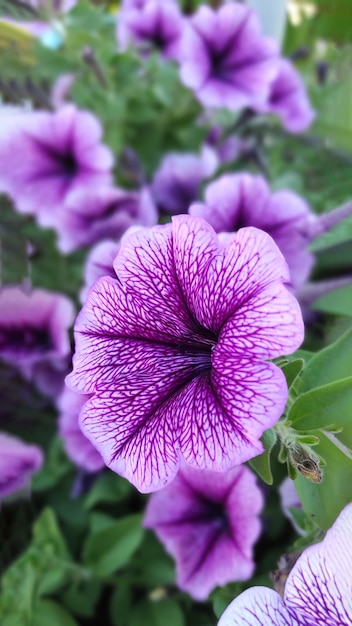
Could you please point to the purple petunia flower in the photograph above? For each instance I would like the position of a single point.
(174, 352)
(318, 590)
(289, 100)
(176, 182)
(226, 60)
(152, 24)
(78, 448)
(59, 153)
(100, 262)
(34, 330)
(18, 461)
(92, 214)
(209, 523)
(237, 200)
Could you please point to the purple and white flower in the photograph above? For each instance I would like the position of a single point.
(289, 100)
(95, 213)
(78, 448)
(18, 461)
(152, 24)
(209, 523)
(174, 352)
(318, 590)
(45, 156)
(236, 200)
(34, 329)
(226, 60)
(177, 181)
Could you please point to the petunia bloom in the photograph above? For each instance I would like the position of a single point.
(225, 59)
(154, 24)
(78, 448)
(236, 200)
(318, 590)
(59, 152)
(209, 523)
(95, 213)
(34, 330)
(100, 262)
(177, 180)
(18, 461)
(174, 352)
(289, 100)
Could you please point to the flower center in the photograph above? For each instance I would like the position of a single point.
(24, 340)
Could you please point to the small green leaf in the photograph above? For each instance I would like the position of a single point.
(261, 464)
(109, 487)
(47, 612)
(108, 549)
(323, 406)
(120, 605)
(292, 370)
(157, 613)
(328, 365)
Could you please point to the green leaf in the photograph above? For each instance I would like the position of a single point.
(157, 613)
(328, 365)
(330, 404)
(81, 598)
(107, 550)
(47, 612)
(292, 370)
(324, 501)
(109, 487)
(121, 602)
(338, 302)
(261, 464)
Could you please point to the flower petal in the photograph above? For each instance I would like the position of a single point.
(259, 606)
(320, 585)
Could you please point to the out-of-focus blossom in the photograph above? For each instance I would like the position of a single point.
(209, 523)
(100, 262)
(18, 461)
(237, 200)
(93, 214)
(318, 590)
(61, 90)
(78, 448)
(176, 182)
(50, 10)
(174, 352)
(289, 499)
(289, 100)
(227, 149)
(225, 59)
(153, 24)
(34, 330)
(46, 156)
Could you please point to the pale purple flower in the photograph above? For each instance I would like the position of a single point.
(289, 499)
(153, 24)
(177, 181)
(209, 523)
(45, 156)
(174, 352)
(289, 100)
(225, 59)
(78, 448)
(95, 213)
(34, 329)
(236, 200)
(100, 262)
(60, 90)
(318, 590)
(18, 461)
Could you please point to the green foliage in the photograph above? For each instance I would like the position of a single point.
(108, 549)
(157, 613)
(261, 463)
